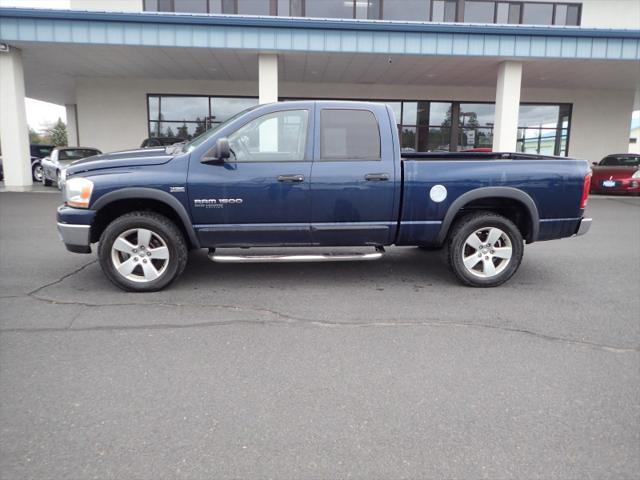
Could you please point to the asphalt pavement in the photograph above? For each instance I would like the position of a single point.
(385, 369)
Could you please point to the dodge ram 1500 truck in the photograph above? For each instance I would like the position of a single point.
(315, 173)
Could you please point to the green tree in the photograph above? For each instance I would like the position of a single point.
(34, 137)
(58, 133)
(183, 131)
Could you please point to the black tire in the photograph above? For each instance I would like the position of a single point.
(457, 249)
(163, 228)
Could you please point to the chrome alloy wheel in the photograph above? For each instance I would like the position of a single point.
(38, 173)
(487, 252)
(140, 255)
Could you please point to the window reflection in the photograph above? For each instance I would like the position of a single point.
(475, 11)
(187, 116)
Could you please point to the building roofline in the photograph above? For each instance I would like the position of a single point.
(317, 23)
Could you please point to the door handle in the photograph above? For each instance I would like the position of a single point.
(291, 178)
(376, 177)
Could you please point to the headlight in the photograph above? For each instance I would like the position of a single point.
(636, 174)
(77, 192)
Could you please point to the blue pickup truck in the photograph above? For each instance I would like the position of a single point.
(315, 173)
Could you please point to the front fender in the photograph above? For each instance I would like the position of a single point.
(135, 193)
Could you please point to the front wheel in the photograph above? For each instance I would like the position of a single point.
(142, 252)
(485, 249)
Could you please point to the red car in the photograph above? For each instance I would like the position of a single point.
(619, 173)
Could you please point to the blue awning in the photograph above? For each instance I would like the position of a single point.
(280, 34)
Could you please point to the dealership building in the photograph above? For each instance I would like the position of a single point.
(549, 77)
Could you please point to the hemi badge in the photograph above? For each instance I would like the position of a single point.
(176, 189)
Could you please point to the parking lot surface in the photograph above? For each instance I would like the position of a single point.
(388, 369)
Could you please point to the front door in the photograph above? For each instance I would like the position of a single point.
(260, 196)
(353, 178)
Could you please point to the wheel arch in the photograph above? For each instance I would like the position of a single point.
(118, 202)
(514, 203)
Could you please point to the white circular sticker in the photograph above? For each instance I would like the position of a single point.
(438, 193)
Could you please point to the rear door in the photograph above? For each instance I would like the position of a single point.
(354, 177)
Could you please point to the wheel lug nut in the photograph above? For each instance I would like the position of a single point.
(149, 254)
(135, 259)
(486, 258)
(135, 250)
(144, 261)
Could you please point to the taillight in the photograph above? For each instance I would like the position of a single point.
(585, 191)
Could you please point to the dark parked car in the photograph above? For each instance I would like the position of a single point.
(37, 152)
(61, 158)
(260, 180)
(152, 142)
(618, 173)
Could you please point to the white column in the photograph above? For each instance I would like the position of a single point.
(267, 78)
(14, 133)
(505, 131)
(73, 138)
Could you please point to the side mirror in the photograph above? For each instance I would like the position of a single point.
(218, 153)
(595, 164)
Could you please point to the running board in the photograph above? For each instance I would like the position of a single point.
(325, 257)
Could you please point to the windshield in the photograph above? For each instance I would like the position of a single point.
(200, 139)
(621, 161)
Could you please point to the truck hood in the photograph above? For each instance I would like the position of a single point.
(125, 158)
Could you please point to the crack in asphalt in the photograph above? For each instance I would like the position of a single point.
(282, 319)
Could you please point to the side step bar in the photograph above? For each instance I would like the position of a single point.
(325, 257)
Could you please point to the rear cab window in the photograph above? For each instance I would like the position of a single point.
(349, 134)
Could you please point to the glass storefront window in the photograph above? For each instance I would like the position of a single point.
(537, 14)
(443, 10)
(190, 6)
(179, 108)
(414, 10)
(223, 108)
(439, 139)
(538, 116)
(188, 116)
(477, 114)
(479, 12)
(440, 113)
(254, 7)
(422, 125)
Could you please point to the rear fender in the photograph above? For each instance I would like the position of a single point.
(493, 192)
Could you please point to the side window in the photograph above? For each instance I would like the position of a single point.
(349, 135)
(275, 137)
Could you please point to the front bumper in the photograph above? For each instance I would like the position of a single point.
(583, 228)
(74, 228)
(75, 237)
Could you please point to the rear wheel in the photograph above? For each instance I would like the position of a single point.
(142, 252)
(485, 249)
(37, 173)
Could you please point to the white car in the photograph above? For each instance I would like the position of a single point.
(61, 158)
